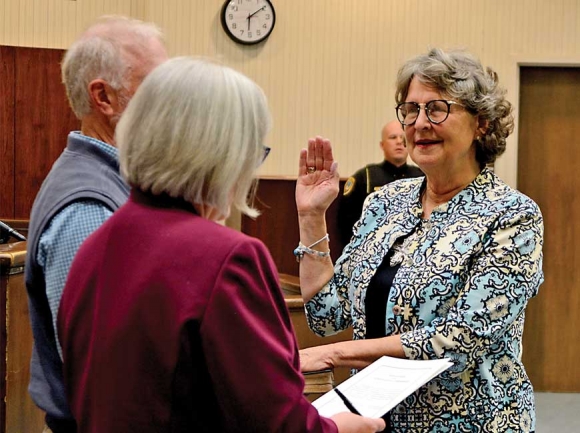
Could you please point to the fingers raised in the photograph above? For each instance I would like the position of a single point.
(317, 157)
(302, 164)
(327, 157)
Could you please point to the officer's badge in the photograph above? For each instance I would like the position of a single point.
(349, 186)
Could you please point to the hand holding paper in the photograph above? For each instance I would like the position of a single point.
(381, 386)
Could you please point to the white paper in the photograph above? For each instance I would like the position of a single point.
(382, 385)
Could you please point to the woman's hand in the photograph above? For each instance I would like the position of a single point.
(352, 354)
(318, 180)
(316, 358)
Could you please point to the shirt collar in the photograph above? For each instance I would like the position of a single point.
(105, 147)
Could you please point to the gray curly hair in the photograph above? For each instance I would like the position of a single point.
(459, 75)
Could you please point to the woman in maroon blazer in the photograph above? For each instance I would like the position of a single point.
(170, 321)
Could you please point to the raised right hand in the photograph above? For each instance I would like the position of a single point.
(350, 423)
(318, 181)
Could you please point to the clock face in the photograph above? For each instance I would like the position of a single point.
(248, 21)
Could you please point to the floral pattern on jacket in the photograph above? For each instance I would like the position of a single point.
(460, 293)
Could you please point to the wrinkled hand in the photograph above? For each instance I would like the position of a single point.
(318, 181)
(316, 358)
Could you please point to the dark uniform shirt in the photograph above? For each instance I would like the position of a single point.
(361, 184)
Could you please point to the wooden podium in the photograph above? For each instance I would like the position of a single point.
(17, 411)
(317, 384)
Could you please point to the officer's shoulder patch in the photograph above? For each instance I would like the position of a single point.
(349, 185)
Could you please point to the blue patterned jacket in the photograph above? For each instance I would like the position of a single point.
(460, 293)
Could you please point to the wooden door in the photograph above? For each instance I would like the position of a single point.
(549, 173)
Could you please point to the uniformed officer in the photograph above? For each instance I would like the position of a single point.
(373, 176)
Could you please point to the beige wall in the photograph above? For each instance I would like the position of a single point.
(330, 65)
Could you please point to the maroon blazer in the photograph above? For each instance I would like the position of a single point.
(173, 323)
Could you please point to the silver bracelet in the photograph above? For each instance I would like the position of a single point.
(302, 249)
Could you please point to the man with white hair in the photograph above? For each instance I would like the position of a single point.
(101, 71)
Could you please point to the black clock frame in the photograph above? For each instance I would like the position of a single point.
(234, 37)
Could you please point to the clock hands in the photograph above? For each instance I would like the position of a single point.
(254, 13)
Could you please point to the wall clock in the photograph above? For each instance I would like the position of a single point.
(248, 22)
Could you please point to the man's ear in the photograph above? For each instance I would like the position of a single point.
(103, 97)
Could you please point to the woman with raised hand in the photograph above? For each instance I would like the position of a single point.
(440, 267)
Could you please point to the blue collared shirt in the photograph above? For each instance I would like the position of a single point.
(63, 237)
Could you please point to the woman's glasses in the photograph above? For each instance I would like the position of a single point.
(437, 111)
(266, 153)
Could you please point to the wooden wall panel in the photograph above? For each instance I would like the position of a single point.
(43, 121)
(7, 131)
(277, 226)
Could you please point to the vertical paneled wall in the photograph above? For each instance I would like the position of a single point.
(43, 120)
(277, 225)
(330, 65)
(35, 120)
(7, 131)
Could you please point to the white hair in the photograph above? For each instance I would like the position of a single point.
(195, 130)
(102, 52)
